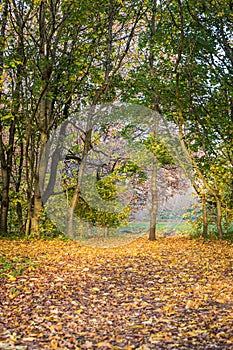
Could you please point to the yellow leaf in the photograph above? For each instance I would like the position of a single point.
(12, 296)
(78, 311)
(12, 278)
(104, 345)
(53, 344)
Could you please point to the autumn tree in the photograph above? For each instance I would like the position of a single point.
(57, 56)
(195, 90)
(36, 53)
(5, 168)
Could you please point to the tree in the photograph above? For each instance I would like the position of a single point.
(5, 168)
(193, 95)
(104, 77)
(62, 56)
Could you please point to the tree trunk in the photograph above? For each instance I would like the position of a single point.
(70, 223)
(4, 166)
(28, 223)
(205, 217)
(154, 199)
(4, 201)
(154, 189)
(43, 113)
(39, 176)
(19, 208)
(219, 217)
(37, 209)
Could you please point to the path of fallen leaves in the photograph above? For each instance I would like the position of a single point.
(175, 293)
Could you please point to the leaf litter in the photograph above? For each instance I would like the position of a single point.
(175, 293)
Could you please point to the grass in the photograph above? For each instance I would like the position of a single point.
(15, 266)
(163, 227)
(126, 234)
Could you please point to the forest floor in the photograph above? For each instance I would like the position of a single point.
(174, 293)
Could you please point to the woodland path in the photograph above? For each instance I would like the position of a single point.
(175, 293)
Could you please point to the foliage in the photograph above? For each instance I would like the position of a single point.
(47, 229)
(109, 191)
(159, 149)
(54, 59)
(191, 48)
(194, 217)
